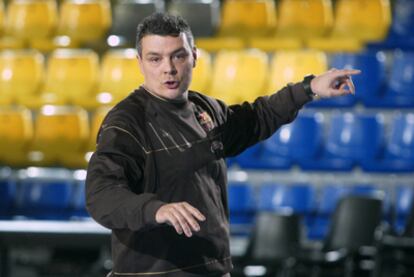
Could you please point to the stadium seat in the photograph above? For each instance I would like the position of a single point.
(239, 75)
(397, 155)
(304, 18)
(202, 15)
(126, 16)
(272, 44)
(291, 66)
(61, 136)
(241, 206)
(120, 75)
(398, 92)
(72, 78)
(97, 119)
(351, 139)
(404, 199)
(216, 44)
(16, 133)
(2, 17)
(86, 20)
(22, 73)
(367, 20)
(248, 18)
(329, 197)
(301, 139)
(368, 85)
(7, 197)
(77, 201)
(31, 19)
(202, 72)
(44, 198)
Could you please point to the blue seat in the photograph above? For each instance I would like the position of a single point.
(241, 207)
(329, 198)
(351, 139)
(397, 155)
(404, 197)
(40, 198)
(77, 202)
(7, 197)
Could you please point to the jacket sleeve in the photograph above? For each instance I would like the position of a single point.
(250, 123)
(114, 191)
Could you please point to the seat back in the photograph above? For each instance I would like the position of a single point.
(120, 75)
(368, 20)
(7, 197)
(401, 79)
(202, 16)
(16, 133)
(96, 122)
(72, 78)
(304, 18)
(291, 66)
(84, 21)
(202, 72)
(241, 207)
(239, 75)
(401, 142)
(248, 18)
(353, 223)
(275, 237)
(31, 19)
(128, 14)
(22, 73)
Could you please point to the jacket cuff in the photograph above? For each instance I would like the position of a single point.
(300, 97)
(149, 211)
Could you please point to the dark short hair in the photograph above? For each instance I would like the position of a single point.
(164, 25)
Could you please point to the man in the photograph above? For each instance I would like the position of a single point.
(158, 176)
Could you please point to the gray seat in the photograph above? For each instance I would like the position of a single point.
(202, 15)
(127, 14)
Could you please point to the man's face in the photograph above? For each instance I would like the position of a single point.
(167, 63)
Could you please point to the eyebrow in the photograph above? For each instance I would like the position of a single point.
(172, 53)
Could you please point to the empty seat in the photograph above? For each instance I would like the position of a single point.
(367, 20)
(216, 44)
(351, 139)
(202, 72)
(272, 44)
(72, 78)
(202, 15)
(301, 139)
(22, 73)
(16, 133)
(97, 119)
(239, 75)
(86, 20)
(292, 66)
(241, 207)
(127, 15)
(404, 200)
(7, 197)
(77, 201)
(61, 135)
(304, 18)
(399, 91)
(397, 155)
(1, 17)
(44, 198)
(248, 18)
(120, 75)
(31, 19)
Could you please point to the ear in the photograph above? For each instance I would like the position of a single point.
(139, 58)
(194, 52)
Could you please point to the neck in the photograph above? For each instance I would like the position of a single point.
(181, 99)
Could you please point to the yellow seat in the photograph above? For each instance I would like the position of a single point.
(96, 122)
(72, 78)
(29, 19)
(16, 132)
(22, 73)
(367, 20)
(61, 134)
(239, 75)
(86, 20)
(271, 44)
(334, 45)
(291, 66)
(304, 18)
(120, 75)
(202, 72)
(215, 44)
(247, 18)
(1, 17)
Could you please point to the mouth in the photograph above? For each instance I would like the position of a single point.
(172, 84)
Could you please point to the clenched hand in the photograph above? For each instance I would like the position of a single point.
(335, 82)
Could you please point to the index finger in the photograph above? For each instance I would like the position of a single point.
(345, 72)
(195, 212)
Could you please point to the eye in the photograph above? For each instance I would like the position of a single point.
(180, 56)
(154, 59)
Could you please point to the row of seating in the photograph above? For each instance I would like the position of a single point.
(339, 143)
(357, 21)
(315, 204)
(79, 77)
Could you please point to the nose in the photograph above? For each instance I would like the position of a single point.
(169, 67)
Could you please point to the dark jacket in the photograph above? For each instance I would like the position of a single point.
(151, 151)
